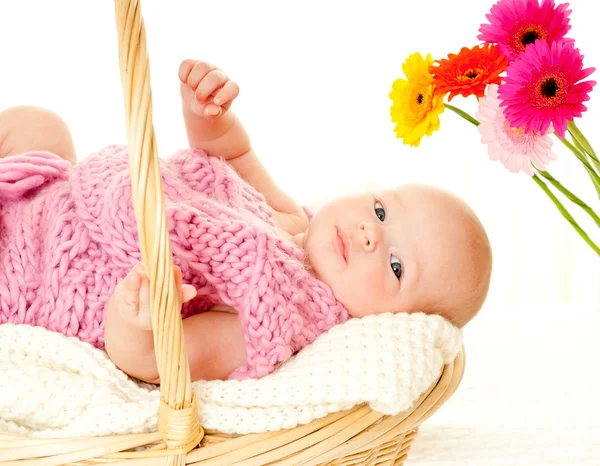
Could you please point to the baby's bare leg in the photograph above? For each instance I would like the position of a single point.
(23, 129)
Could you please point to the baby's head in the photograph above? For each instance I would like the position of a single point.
(412, 249)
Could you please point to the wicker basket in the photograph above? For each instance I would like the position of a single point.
(359, 436)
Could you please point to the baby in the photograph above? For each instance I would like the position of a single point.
(411, 249)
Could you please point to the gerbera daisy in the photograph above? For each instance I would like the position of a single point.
(543, 87)
(516, 23)
(513, 147)
(415, 108)
(469, 72)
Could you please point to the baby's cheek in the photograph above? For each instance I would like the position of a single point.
(366, 290)
(372, 273)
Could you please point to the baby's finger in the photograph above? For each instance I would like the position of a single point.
(198, 72)
(145, 312)
(213, 81)
(226, 94)
(126, 295)
(185, 68)
(210, 110)
(178, 278)
(186, 292)
(189, 293)
(178, 275)
(129, 288)
(187, 93)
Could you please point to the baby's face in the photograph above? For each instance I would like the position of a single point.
(389, 251)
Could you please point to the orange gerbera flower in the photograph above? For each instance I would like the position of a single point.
(469, 72)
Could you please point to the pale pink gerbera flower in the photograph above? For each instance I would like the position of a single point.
(516, 23)
(513, 147)
(545, 86)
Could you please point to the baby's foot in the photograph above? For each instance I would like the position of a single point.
(132, 296)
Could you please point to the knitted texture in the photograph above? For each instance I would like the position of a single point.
(68, 236)
(55, 386)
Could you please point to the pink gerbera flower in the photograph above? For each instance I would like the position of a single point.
(516, 23)
(513, 147)
(543, 87)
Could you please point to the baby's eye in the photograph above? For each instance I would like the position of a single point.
(379, 211)
(396, 266)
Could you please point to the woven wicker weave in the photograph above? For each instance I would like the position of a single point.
(359, 436)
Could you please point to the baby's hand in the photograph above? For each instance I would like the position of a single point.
(205, 89)
(132, 297)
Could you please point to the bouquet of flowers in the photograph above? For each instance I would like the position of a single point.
(530, 82)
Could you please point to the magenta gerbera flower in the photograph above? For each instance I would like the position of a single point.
(516, 23)
(517, 150)
(544, 86)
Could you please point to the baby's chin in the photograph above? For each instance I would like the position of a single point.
(357, 311)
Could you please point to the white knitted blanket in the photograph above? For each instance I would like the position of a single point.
(54, 386)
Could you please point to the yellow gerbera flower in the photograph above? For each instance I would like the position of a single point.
(415, 109)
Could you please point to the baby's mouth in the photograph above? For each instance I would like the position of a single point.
(341, 244)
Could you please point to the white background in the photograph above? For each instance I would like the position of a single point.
(315, 78)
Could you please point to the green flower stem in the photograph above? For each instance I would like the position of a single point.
(583, 159)
(566, 214)
(569, 195)
(464, 115)
(577, 144)
(561, 208)
(585, 148)
(578, 153)
(580, 138)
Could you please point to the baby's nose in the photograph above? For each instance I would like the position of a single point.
(370, 235)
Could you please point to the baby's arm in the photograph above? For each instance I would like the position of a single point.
(213, 340)
(207, 94)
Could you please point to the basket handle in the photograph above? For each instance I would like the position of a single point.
(178, 417)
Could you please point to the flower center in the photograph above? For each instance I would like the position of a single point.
(549, 89)
(419, 97)
(471, 74)
(526, 33)
(514, 134)
(529, 37)
(518, 135)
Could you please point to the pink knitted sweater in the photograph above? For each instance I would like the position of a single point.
(68, 236)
